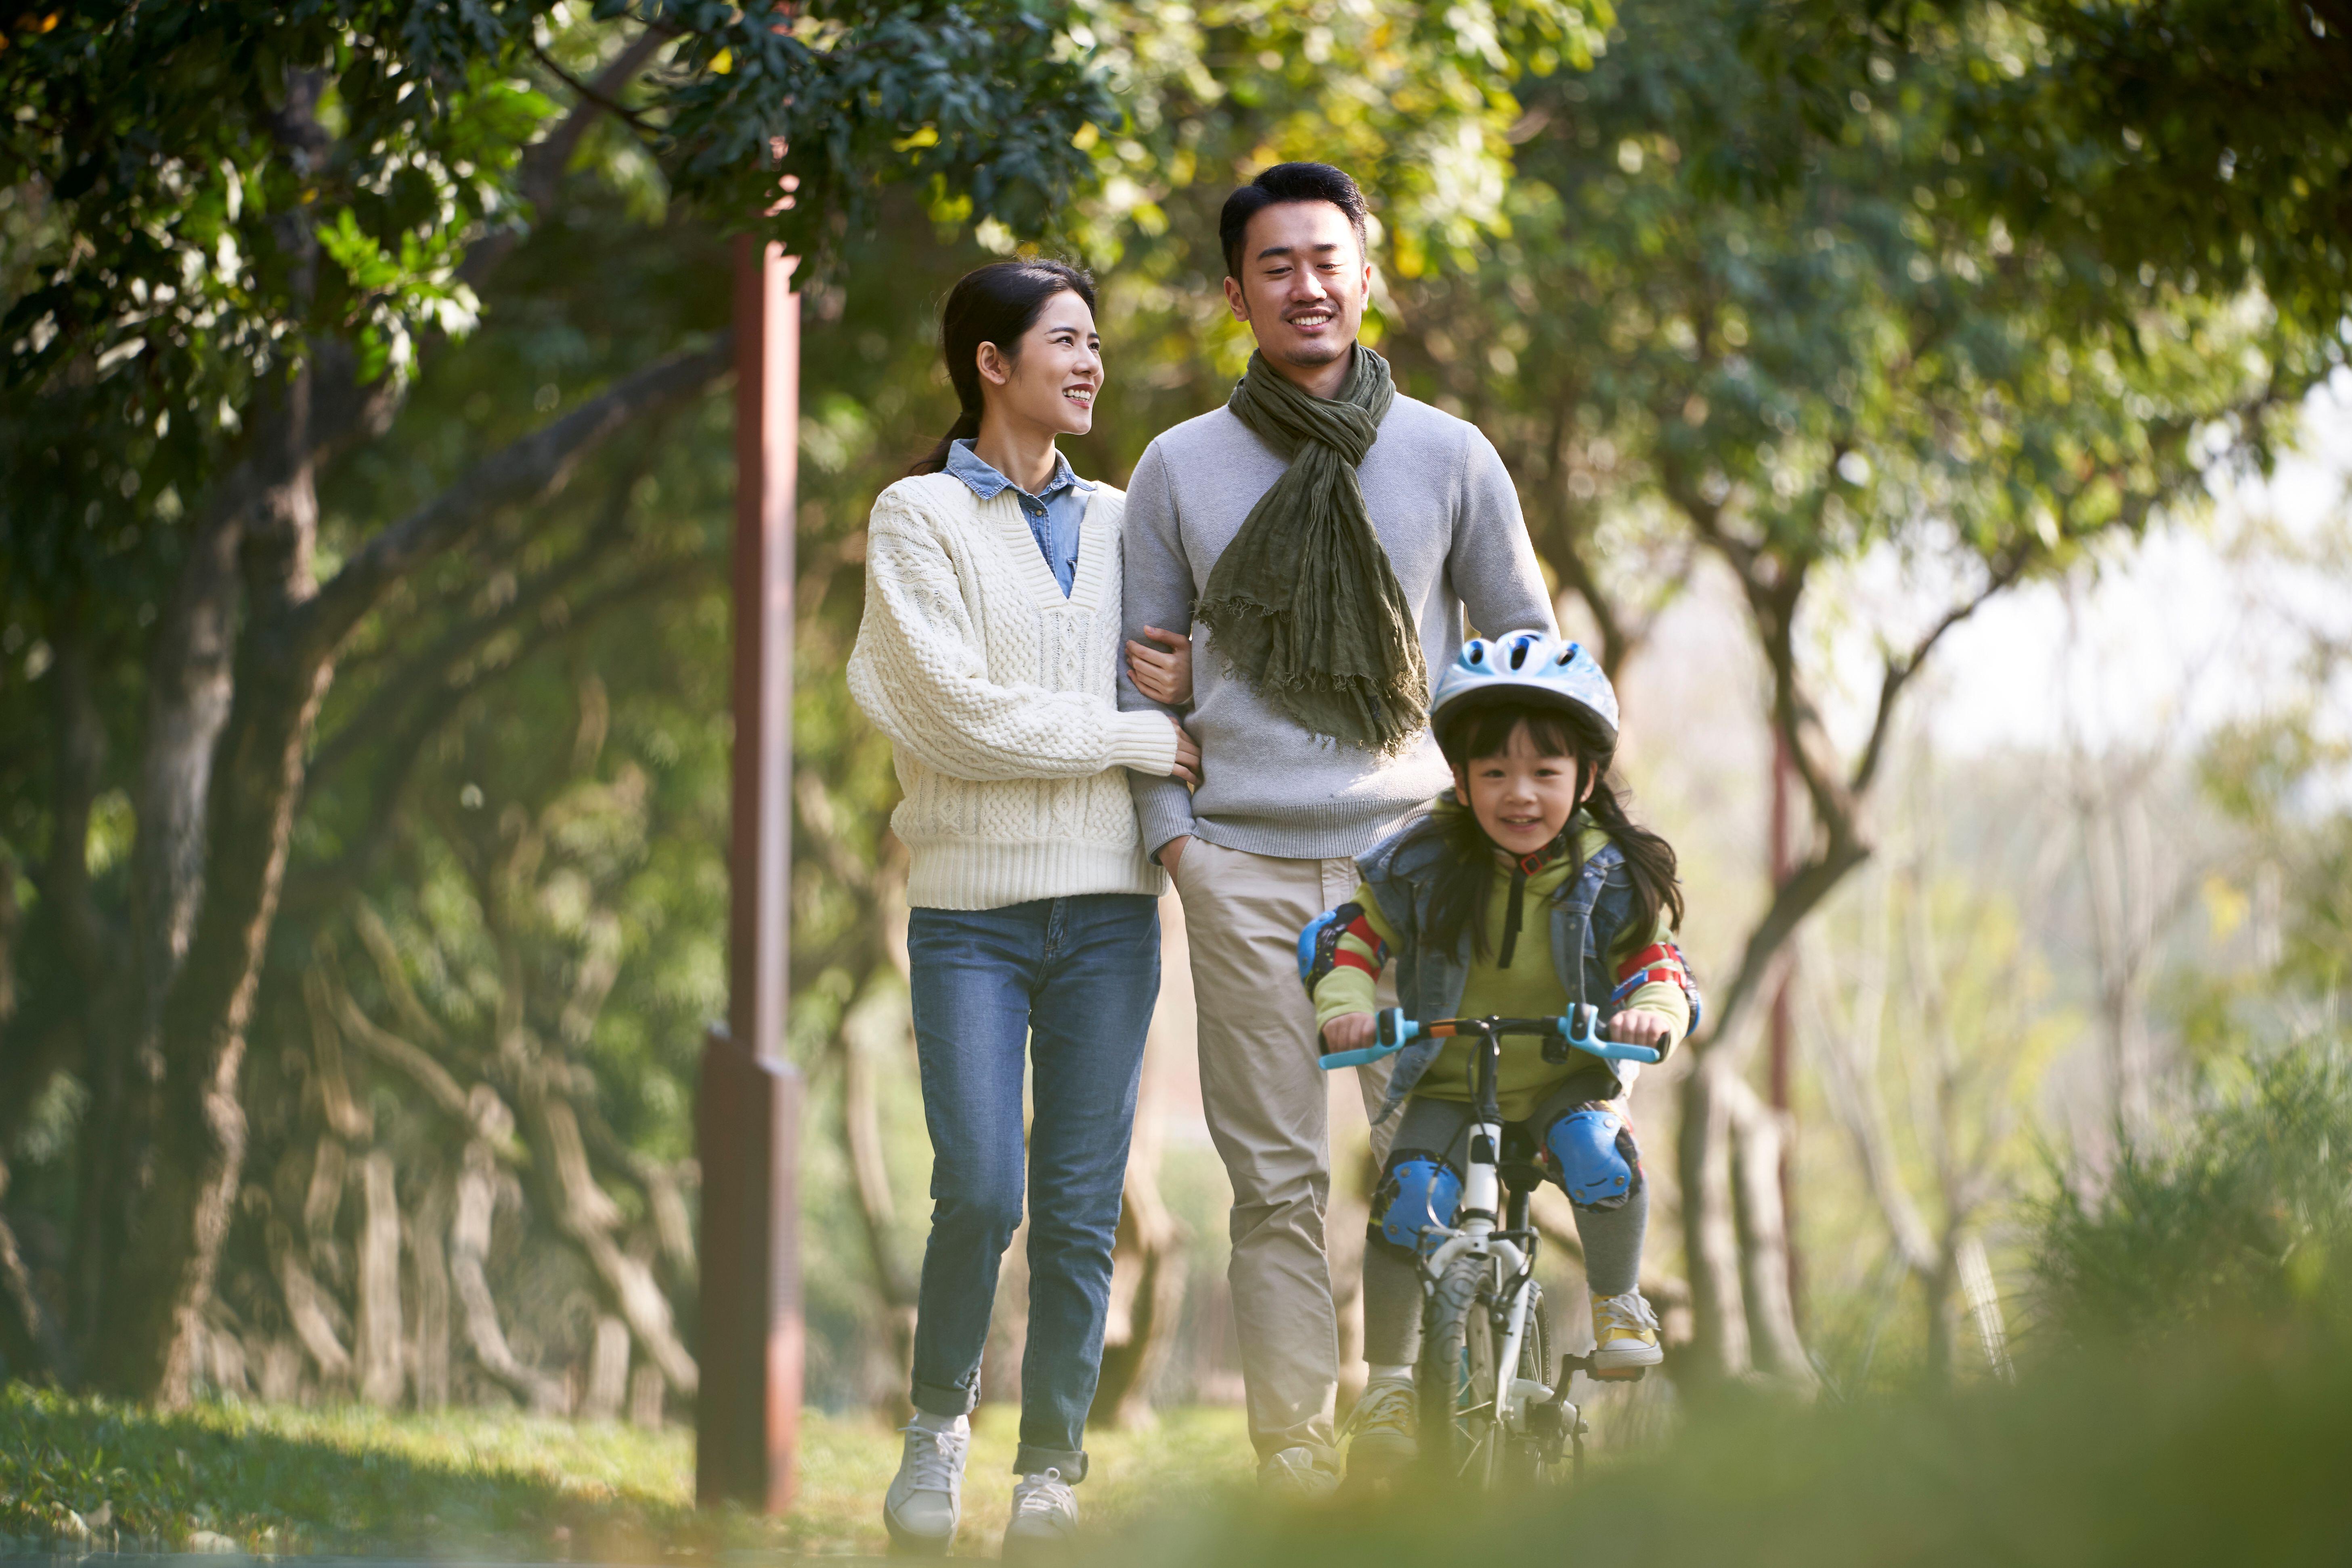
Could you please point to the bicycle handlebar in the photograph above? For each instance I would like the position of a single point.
(1580, 1027)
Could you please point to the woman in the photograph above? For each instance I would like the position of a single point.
(988, 654)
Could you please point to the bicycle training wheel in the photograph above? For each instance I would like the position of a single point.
(1460, 1436)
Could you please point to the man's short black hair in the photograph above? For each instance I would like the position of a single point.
(1288, 182)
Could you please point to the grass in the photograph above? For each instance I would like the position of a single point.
(2187, 1399)
(78, 1473)
(2225, 1453)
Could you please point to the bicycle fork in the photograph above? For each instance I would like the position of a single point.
(1481, 1205)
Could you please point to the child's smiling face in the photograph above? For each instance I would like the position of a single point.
(1521, 796)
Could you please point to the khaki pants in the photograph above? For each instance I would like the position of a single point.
(1267, 1105)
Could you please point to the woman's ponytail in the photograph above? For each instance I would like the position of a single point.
(965, 428)
(997, 304)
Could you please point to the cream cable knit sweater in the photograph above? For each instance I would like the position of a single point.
(1000, 699)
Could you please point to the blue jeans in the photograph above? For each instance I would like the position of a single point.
(1072, 979)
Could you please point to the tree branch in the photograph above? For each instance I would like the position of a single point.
(599, 94)
(1899, 671)
(320, 886)
(394, 692)
(525, 472)
(545, 160)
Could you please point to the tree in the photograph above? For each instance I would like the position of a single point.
(236, 240)
(2193, 142)
(1941, 969)
(1717, 329)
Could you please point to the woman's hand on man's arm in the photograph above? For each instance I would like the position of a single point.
(1187, 765)
(1164, 673)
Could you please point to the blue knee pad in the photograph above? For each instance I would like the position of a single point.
(1592, 1150)
(1419, 1191)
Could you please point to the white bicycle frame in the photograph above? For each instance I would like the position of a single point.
(1474, 1232)
(1481, 1201)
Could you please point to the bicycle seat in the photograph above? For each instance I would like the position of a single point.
(1521, 1166)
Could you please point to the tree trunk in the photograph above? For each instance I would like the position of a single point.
(428, 1255)
(30, 1338)
(1982, 1298)
(469, 1247)
(177, 1196)
(2119, 873)
(869, 1181)
(1719, 1343)
(647, 1387)
(586, 1213)
(1147, 1287)
(156, 1292)
(608, 1370)
(1758, 1137)
(382, 1377)
(311, 1311)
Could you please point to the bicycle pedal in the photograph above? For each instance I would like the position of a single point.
(1618, 1374)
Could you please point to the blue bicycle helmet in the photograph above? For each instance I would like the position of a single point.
(1524, 667)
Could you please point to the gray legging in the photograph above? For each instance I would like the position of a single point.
(1441, 1128)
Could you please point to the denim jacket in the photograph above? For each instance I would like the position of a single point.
(1588, 915)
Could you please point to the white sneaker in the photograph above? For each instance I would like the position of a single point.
(926, 1497)
(1381, 1430)
(1624, 1334)
(1045, 1515)
(1297, 1475)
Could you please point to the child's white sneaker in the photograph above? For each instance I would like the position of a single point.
(1045, 1517)
(926, 1497)
(1381, 1430)
(1624, 1334)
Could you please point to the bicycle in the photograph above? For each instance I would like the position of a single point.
(1488, 1415)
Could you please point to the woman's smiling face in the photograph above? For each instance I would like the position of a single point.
(1052, 377)
(1521, 796)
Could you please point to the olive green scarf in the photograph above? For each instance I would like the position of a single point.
(1304, 602)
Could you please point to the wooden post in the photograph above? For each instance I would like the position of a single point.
(747, 1124)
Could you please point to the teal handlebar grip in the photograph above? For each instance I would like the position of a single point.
(1584, 1034)
(1396, 1031)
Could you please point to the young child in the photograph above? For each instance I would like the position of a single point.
(1525, 874)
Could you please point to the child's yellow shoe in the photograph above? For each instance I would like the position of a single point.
(1624, 1334)
(1380, 1432)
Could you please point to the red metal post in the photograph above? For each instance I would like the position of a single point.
(748, 1117)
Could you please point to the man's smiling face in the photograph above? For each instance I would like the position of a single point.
(1303, 279)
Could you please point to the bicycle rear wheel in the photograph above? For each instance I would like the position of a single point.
(1460, 1435)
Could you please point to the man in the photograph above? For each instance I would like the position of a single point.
(1324, 534)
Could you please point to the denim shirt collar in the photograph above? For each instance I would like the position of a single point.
(980, 474)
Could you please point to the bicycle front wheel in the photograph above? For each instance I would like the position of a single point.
(1460, 1435)
(1531, 1454)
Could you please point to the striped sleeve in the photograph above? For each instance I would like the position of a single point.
(1653, 980)
(1356, 964)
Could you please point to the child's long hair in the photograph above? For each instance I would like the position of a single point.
(1469, 872)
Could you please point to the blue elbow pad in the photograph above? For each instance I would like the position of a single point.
(1592, 1151)
(1420, 1190)
(1318, 944)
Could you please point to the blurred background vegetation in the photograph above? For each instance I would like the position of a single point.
(365, 483)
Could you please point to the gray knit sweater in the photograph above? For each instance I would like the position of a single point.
(1445, 509)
